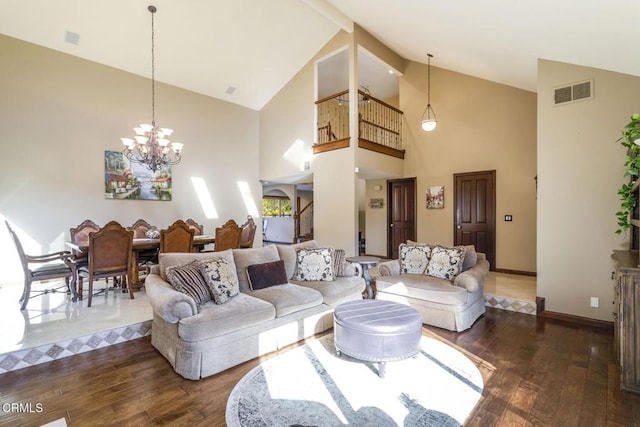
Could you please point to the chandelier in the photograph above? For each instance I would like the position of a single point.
(151, 146)
(429, 121)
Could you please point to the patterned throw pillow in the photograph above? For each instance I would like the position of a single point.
(314, 265)
(221, 279)
(339, 256)
(186, 278)
(414, 258)
(446, 263)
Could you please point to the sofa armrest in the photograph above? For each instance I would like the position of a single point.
(166, 302)
(389, 268)
(473, 278)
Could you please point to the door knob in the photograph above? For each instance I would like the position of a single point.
(459, 227)
(390, 225)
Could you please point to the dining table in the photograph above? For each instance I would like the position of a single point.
(145, 244)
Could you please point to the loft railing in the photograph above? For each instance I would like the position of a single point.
(379, 124)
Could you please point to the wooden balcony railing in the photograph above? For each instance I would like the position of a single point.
(379, 124)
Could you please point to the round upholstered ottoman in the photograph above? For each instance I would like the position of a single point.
(377, 331)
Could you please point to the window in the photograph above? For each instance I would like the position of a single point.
(276, 206)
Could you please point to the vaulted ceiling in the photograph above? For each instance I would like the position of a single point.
(257, 46)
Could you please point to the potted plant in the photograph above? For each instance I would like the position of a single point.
(630, 139)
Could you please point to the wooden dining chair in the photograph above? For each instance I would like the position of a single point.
(148, 256)
(109, 256)
(198, 229)
(57, 265)
(248, 233)
(80, 236)
(227, 236)
(177, 238)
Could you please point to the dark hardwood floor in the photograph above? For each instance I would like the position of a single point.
(536, 372)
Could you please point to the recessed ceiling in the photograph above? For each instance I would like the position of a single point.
(258, 46)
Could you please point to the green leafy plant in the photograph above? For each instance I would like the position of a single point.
(630, 139)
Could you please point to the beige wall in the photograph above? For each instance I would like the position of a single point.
(580, 170)
(481, 126)
(59, 113)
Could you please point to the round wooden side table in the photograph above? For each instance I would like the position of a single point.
(365, 263)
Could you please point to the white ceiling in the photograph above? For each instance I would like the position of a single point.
(257, 46)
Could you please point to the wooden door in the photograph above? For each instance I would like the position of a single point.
(475, 212)
(401, 213)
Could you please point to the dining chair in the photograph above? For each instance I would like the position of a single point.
(149, 256)
(57, 265)
(109, 256)
(227, 236)
(198, 229)
(248, 233)
(177, 238)
(80, 236)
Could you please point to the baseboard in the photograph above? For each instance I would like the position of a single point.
(519, 272)
(584, 321)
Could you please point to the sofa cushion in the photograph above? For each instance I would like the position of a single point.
(333, 293)
(221, 279)
(446, 263)
(266, 274)
(470, 257)
(287, 253)
(414, 258)
(214, 320)
(314, 264)
(423, 287)
(246, 257)
(289, 298)
(188, 279)
(174, 258)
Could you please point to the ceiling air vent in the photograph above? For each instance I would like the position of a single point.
(574, 92)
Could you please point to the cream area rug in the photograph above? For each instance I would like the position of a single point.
(312, 386)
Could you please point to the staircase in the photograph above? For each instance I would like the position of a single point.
(303, 224)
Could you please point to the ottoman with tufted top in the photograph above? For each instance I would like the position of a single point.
(377, 331)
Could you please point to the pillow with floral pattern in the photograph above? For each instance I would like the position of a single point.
(446, 263)
(221, 279)
(414, 258)
(314, 264)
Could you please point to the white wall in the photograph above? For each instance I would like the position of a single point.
(580, 168)
(59, 113)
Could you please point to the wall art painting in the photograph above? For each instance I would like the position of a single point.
(124, 179)
(435, 197)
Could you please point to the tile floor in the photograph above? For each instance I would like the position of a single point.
(53, 327)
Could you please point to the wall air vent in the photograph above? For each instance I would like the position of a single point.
(574, 92)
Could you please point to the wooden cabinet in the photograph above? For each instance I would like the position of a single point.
(627, 317)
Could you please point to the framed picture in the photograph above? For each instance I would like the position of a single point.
(435, 197)
(130, 180)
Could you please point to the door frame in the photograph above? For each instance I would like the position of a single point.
(390, 211)
(492, 212)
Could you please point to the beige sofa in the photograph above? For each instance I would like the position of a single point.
(453, 304)
(202, 341)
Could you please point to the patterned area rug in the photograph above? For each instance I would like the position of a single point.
(311, 386)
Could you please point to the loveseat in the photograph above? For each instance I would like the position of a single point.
(446, 285)
(202, 339)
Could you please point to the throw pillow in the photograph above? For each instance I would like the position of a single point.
(446, 263)
(221, 279)
(339, 256)
(414, 258)
(266, 274)
(314, 265)
(186, 278)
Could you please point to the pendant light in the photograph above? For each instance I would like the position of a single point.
(151, 146)
(429, 121)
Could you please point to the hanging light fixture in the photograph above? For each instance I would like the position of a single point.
(151, 146)
(429, 121)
